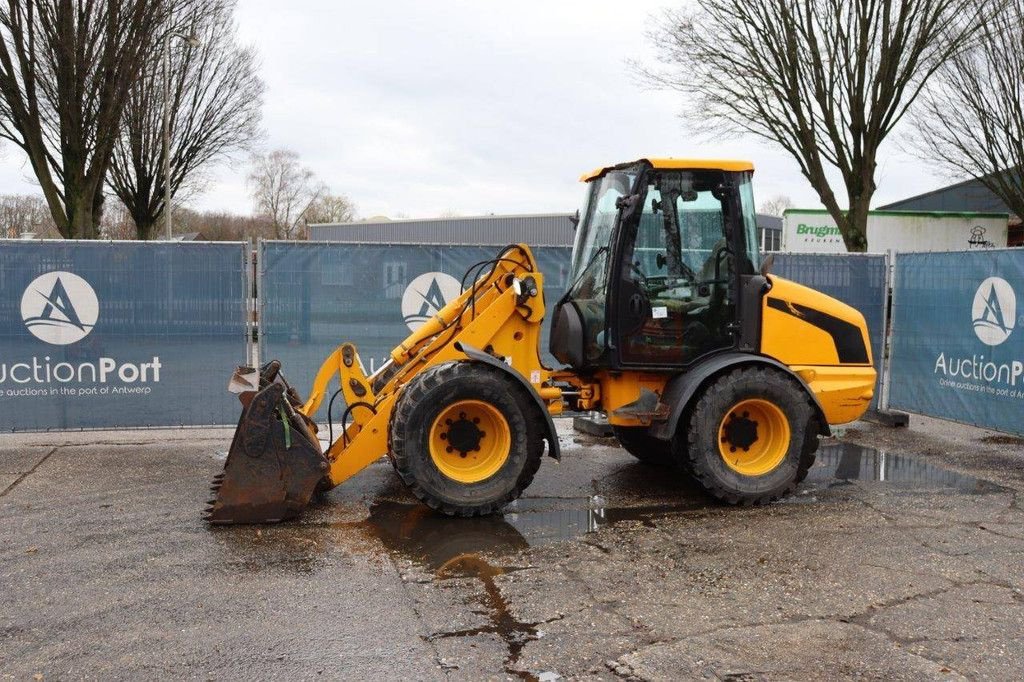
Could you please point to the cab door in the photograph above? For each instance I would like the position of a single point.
(675, 290)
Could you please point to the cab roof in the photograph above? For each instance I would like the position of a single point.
(676, 164)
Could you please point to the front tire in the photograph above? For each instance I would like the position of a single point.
(752, 436)
(460, 440)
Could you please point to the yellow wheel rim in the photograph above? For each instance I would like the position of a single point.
(753, 438)
(470, 441)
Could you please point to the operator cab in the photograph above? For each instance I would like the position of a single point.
(662, 249)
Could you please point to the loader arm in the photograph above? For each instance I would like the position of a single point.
(501, 313)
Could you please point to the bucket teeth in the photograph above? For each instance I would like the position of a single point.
(272, 469)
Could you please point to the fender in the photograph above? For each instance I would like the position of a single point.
(682, 388)
(554, 451)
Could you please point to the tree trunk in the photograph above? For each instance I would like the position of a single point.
(144, 227)
(80, 215)
(855, 236)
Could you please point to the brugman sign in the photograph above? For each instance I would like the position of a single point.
(957, 353)
(96, 335)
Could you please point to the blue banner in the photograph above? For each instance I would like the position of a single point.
(858, 280)
(111, 335)
(316, 296)
(958, 337)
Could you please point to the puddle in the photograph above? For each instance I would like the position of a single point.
(840, 463)
(434, 541)
(439, 543)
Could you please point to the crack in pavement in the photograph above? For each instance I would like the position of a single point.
(861, 619)
(26, 474)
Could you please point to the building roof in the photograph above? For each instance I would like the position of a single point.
(676, 164)
(184, 237)
(969, 196)
(542, 229)
(901, 212)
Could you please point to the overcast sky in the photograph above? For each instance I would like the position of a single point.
(420, 108)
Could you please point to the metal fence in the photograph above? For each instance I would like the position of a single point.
(859, 280)
(315, 296)
(957, 352)
(119, 334)
(128, 334)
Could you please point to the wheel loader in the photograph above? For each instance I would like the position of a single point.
(699, 357)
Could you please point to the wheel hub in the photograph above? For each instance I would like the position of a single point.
(470, 440)
(463, 434)
(740, 431)
(754, 436)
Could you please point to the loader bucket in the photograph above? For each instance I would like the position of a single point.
(275, 462)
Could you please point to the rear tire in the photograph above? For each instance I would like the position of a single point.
(637, 441)
(460, 439)
(752, 436)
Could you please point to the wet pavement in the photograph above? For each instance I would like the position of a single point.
(894, 562)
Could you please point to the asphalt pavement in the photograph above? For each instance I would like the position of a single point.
(901, 557)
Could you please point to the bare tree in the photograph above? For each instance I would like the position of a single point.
(117, 223)
(223, 226)
(24, 213)
(971, 119)
(66, 67)
(283, 190)
(215, 104)
(825, 79)
(776, 206)
(330, 208)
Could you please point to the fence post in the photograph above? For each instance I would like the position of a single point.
(260, 299)
(248, 262)
(882, 414)
(888, 291)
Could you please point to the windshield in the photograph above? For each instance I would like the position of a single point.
(598, 217)
(749, 223)
(590, 274)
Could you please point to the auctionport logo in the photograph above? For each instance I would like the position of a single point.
(426, 295)
(59, 308)
(994, 312)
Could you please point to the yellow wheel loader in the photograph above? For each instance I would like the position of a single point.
(698, 357)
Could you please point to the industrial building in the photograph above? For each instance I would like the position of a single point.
(541, 229)
(970, 196)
